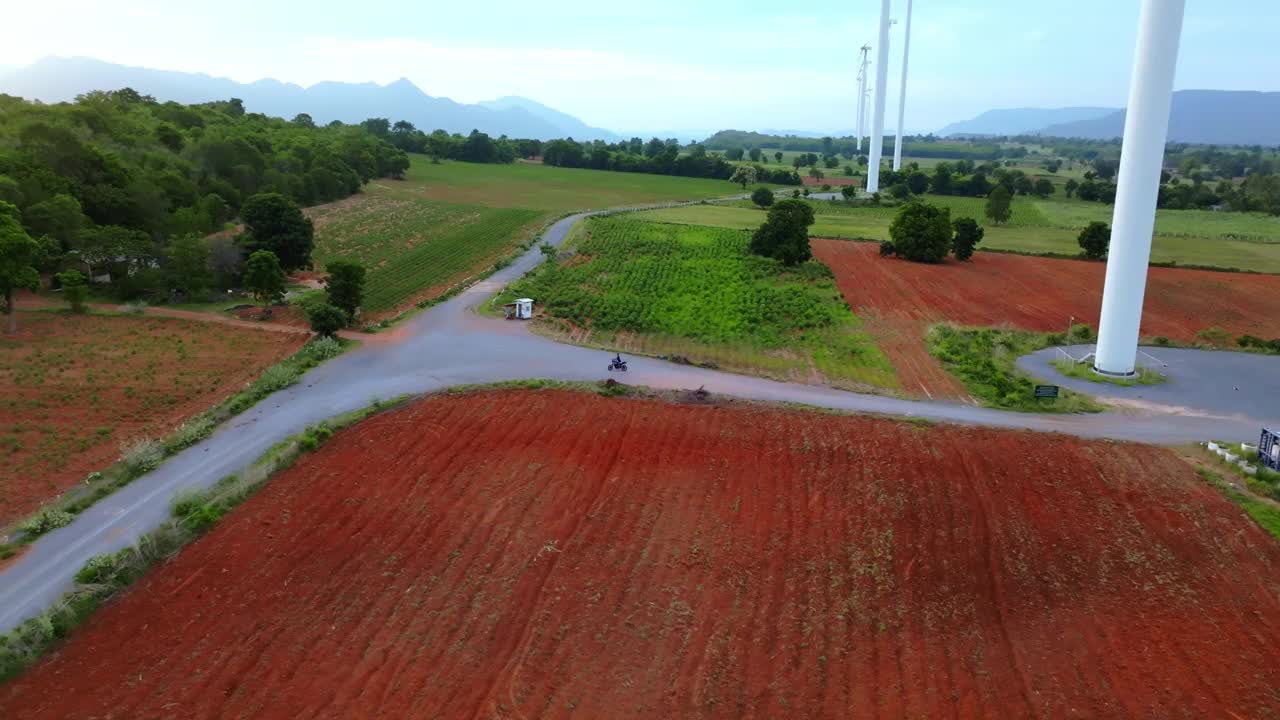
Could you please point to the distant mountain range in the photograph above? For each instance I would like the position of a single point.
(1206, 117)
(1017, 121)
(62, 79)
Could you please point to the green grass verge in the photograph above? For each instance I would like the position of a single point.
(664, 289)
(105, 576)
(984, 359)
(146, 455)
(1265, 514)
(1145, 376)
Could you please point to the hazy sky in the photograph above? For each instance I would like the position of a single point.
(663, 64)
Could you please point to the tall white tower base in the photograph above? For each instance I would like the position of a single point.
(902, 94)
(877, 115)
(1146, 127)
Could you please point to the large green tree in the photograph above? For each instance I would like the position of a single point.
(999, 205)
(187, 265)
(968, 234)
(1095, 240)
(921, 232)
(274, 222)
(784, 235)
(345, 285)
(264, 277)
(19, 255)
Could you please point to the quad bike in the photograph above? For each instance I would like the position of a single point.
(617, 363)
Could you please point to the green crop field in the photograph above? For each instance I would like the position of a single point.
(667, 289)
(1037, 227)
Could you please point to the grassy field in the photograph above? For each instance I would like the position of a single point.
(446, 222)
(666, 289)
(533, 186)
(1037, 227)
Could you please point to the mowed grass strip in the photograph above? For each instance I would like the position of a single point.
(697, 291)
(835, 220)
(412, 245)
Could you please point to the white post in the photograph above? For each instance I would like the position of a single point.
(902, 94)
(877, 116)
(862, 94)
(1146, 127)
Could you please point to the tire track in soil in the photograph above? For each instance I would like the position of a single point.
(711, 557)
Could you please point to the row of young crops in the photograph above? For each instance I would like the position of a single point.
(411, 244)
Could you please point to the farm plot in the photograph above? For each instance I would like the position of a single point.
(698, 292)
(73, 388)
(1039, 294)
(416, 248)
(464, 557)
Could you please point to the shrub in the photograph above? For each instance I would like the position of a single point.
(1160, 340)
(98, 569)
(189, 433)
(277, 377)
(327, 319)
(45, 521)
(74, 289)
(141, 456)
(1215, 337)
(887, 248)
(921, 233)
(762, 197)
(321, 349)
(1081, 332)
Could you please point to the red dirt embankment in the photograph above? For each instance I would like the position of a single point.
(545, 554)
(1032, 293)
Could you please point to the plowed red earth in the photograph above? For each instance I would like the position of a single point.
(1033, 293)
(523, 554)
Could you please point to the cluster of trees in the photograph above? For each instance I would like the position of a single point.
(657, 157)
(964, 178)
(476, 147)
(925, 233)
(122, 188)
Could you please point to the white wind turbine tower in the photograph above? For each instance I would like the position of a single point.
(863, 62)
(877, 117)
(1146, 128)
(902, 94)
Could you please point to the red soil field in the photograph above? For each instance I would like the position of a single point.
(75, 386)
(522, 554)
(1035, 293)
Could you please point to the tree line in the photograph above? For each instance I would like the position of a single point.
(657, 157)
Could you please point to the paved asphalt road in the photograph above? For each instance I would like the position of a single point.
(451, 345)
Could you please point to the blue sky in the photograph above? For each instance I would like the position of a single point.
(659, 64)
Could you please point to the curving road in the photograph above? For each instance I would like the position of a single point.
(448, 345)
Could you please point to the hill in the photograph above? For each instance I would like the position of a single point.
(54, 80)
(1015, 121)
(1211, 117)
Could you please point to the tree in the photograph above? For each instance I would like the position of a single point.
(784, 235)
(304, 120)
(1095, 240)
(918, 182)
(754, 154)
(743, 175)
(345, 285)
(1043, 188)
(900, 191)
(921, 233)
(815, 173)
(59, 217)
(734, 153)
(762, 197)
(849, 192)
(265, 278)
(778, 157)
(273, 222)
(968, 234)
(549, 252)
(1023, 185)
(1070, 187)
(74, 290)
(999, 205)
(187, 265)
(327, 319)
(1106, 169)
(19, 255)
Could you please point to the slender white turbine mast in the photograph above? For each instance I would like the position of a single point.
(877, 117)
(863, 62)
(1146, 128)
(902, 94)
